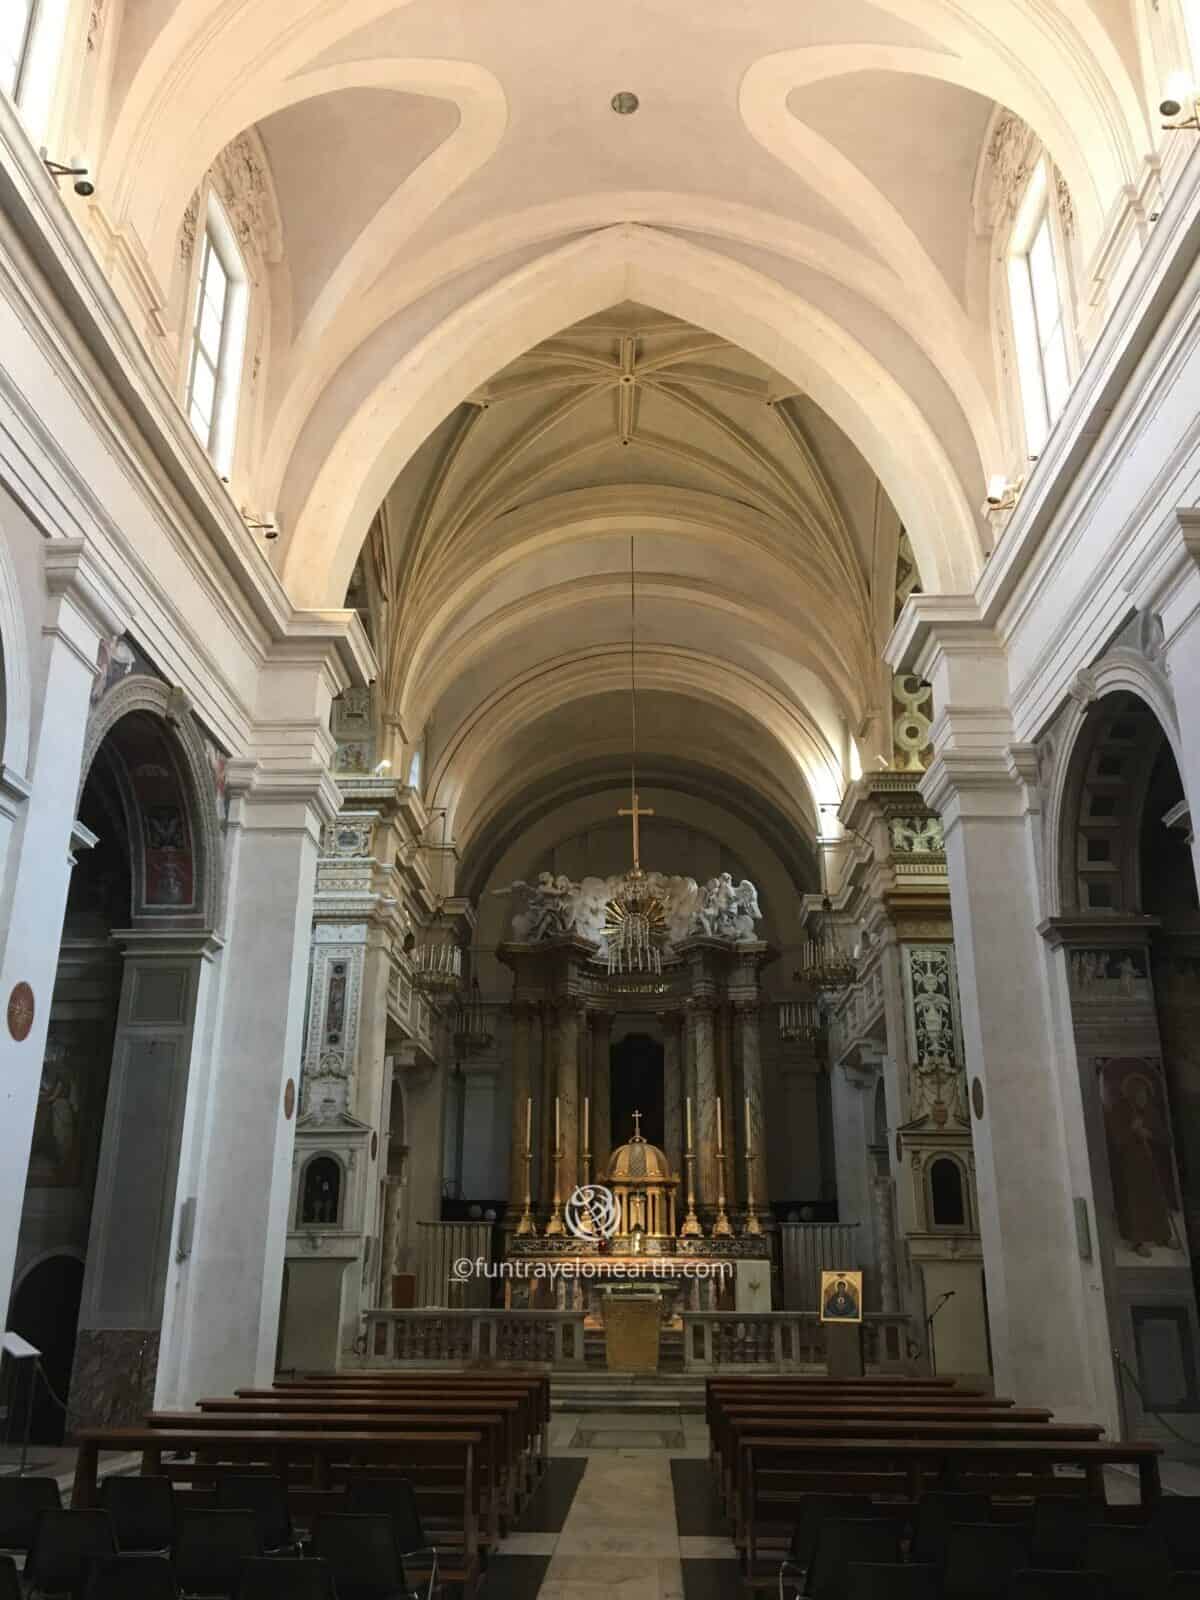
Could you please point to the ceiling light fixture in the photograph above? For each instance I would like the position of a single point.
(625, 103)
(1180, 92)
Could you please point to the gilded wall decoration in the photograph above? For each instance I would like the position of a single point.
(917, 836)
(937, 1084)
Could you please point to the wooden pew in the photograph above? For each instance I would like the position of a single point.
(488, 1425)
(315, 1465)
(774, 1473)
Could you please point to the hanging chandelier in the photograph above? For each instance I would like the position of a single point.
(471, 1031)
(826, 964)
(437, 964)
(635, 921)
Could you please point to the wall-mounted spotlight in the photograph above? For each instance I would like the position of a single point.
(1179, 104)
(1002, 493)
(383, 767)
(269, 530)
(83, 184)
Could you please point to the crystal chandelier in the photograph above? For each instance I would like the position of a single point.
(826, 965)
(635, 925)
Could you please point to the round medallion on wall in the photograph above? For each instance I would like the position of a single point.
(20, 1012)
(289, 1098)
(374, 1145)
(977, 1098)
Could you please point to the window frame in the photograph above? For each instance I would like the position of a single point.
(967, 1224)
(218, 243)
(21, 65)
(1038, 217)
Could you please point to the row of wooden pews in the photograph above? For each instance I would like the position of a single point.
(472, 1445)
(776, 1439)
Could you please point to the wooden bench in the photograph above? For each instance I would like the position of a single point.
(315, 1465)
(774, 1473)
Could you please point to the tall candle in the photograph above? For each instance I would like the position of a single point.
(689, 1122)
(557, 1138)
(720, 1134)
(528, 1124)
(585, 1123)
(748, 1150)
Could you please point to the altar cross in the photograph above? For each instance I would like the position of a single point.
(636, 812)
(637, 1124)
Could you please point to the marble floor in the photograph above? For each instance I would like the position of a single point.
(626, 1511)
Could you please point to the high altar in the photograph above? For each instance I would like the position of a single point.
(701, 1196)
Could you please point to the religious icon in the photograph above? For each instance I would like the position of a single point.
(1145, 1193)
(841, 1296)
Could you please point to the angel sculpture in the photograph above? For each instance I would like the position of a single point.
(745, 910)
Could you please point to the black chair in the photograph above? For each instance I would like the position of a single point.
(1059, 1537)
(360, 1548)
(1044, 1585)
(873, 1581)
(1177, 1518)
(814, 1510)
(212, 1547)
(136, 1577)
(843, 1542)
(65, 1544)
(286, 1578)
(267, 1497)
(981, 1558)
(20, 1501)
(10, 1581)
(1134, 1560)
(142, 1512)
(397, 1498)
(937, 1512)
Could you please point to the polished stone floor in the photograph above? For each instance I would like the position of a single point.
(626, 1511)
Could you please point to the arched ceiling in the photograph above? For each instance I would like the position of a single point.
(748, 327)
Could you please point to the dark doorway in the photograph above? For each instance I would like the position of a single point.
(637, 1085)
(45, 1310)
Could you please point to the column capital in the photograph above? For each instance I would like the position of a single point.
(1166, 581)
(86, 605)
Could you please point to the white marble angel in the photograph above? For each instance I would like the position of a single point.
(746, 910)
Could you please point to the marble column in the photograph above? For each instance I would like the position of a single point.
(704, 1110)
(280, 796)
(81, 609)
(522, 1028)
(601, 1092)
(750, 1044)
(885, 1239)
(1028, 1129)
(569, 1014)
(673, 1085)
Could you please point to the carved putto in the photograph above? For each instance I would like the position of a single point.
(555, 906)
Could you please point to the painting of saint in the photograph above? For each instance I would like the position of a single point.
(841, 1296)
(1145, 1194)
(54, 1157)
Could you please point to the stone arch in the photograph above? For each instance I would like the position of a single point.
(195, 784)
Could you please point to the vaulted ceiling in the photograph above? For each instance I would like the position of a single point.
(747, 326)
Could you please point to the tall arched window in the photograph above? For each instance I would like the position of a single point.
(1038, 305)
(218, 339)
(414, 770)
(16, 30)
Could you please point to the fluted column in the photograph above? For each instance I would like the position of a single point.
(601, 1092)
(521, 1093)
(568, 1093)
(704, 1067)
(749, 1041)
(673, 1078)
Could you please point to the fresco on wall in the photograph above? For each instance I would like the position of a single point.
(56, 1154)
(1148, 1216)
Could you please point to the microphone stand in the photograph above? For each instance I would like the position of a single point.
(949, 1295)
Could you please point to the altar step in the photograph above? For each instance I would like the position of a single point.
(649, 1394)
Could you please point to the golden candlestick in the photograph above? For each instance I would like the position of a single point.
(555, 1225)
(753, 1227)
(526, 1226)
(587, 1154)
(722, 1227)
(690, 1228)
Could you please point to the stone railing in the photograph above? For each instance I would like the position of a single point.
(786, 1340)
(421, 1338)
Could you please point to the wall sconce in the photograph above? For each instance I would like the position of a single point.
(1002, 494)
(1180, 93)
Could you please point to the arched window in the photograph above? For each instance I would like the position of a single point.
(947, 1198)
(414, 770)
(16, 31)
(1038, 305)
(218, 339)
(321, 1193)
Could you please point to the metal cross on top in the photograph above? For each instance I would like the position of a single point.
(636, 812)
(637, 1124)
